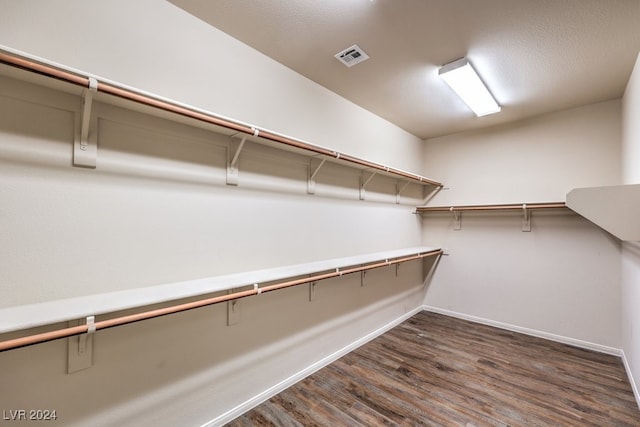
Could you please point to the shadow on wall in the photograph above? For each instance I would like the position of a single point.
(133, 144)
(633, 248)
(429, 267)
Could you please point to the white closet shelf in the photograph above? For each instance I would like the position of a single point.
(36, 70)
(525, 208)
(615, 208)
(498, 207)
(47, 313)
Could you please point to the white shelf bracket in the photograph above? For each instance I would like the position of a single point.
(400, 189)
(312, 291)
(233, 310)
(311, 182)
(526, 218)
(85, 147)
(457, 219)
(363, 184)
(232, 162)
(80, 347)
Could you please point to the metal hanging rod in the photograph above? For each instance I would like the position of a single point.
(59, 73)
(257, 290)
(520, 206)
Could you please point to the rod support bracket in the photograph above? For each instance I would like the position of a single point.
(85, 147)
(232, 161)
(312, 291)
(457, 218)
(233, 310)
(364, 182)
(399, 189)
(313, 171)
(80, 347)
(526, 218)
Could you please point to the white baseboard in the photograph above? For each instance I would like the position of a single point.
(540, 334)
(634, 387)
(283, 385)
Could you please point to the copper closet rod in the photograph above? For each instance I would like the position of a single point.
(123, 320)
(20, 62)
(513, 206)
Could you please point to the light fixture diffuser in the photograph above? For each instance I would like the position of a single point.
(465, 82)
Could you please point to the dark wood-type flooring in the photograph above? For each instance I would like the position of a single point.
(434, 370)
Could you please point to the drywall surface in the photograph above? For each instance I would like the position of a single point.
(157, 210)
(537, 160)
(630, 318)
(561, 279)
(631, 250)
(157, 47)
(631, 129)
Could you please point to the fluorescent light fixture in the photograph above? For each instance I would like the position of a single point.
(464, 80)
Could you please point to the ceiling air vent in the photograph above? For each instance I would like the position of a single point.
(351, 56)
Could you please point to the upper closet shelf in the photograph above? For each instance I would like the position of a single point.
(19, 65)
(525, 208)
(502, 207)
(615, 208)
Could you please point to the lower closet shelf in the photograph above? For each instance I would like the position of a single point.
(47, 313)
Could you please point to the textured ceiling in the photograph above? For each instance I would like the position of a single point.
(536, 56)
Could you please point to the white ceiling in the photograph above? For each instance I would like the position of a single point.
(536, 56)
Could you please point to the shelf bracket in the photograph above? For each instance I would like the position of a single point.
(363, 275)
(400, 189)
(457, 219)
(312, 291)
(363, 184)
(232, 162)
(526, 218)
(85, 147)
(80, 347)
(233, 310)
(311, 182)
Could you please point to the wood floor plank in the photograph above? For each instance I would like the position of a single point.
(434, 370)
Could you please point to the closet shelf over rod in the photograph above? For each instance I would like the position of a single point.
(256, 289)
(525, 208)
(60, 73)
(513, 206)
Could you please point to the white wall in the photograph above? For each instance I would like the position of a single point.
(156, 210)
(631, 250)
(157, 47)
(630, 128)
(158, 194)
(561, 280)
